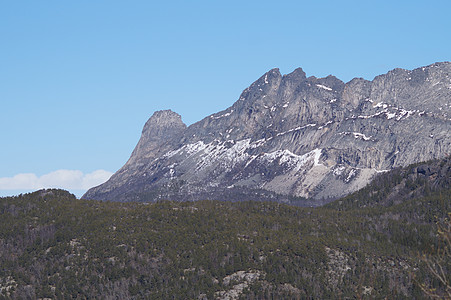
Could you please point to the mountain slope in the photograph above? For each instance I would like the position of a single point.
(402, 184)
(292, 135)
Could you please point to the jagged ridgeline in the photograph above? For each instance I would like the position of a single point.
(365, 246)
(292, 137)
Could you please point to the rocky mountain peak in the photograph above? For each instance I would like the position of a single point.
(162, 123)
(297, 75)
(269, 80)
(290, 135)
(161, 128)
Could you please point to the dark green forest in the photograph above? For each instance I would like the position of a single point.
(378, 243)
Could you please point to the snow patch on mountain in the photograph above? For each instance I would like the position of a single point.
(324, 87)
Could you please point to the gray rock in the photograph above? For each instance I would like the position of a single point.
(162, 128)
(292, 136)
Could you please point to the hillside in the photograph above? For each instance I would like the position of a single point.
(53, 245)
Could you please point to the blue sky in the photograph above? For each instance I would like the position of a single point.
(79, 79)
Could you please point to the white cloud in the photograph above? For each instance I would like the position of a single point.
(63, 179)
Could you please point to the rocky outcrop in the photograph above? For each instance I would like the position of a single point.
(292, 135)
(160, 130)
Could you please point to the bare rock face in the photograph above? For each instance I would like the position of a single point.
(292, 136)
(162, 127)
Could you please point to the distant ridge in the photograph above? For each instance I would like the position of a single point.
(292, 136)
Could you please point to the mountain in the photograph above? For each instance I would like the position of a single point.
(291, 137)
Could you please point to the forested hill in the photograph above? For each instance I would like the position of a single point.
(53, 245)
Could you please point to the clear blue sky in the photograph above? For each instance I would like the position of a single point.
(80, 78)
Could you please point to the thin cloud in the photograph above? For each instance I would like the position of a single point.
(63, 179)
